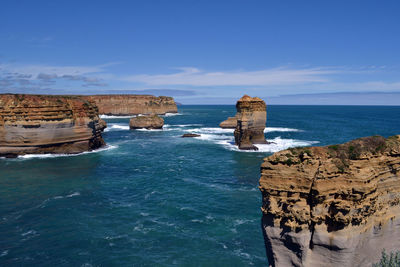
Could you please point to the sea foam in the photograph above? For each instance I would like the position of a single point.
(44, 156)
(116, 117)
(116, 127)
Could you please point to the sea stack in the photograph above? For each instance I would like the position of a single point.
(146, 122)
(37, 124)
(120, 105)
(336, 205)
(251, 119)
(229, 123)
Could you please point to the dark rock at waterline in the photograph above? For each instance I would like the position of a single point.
(190, 135)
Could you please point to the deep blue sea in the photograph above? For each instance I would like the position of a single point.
(152, 198)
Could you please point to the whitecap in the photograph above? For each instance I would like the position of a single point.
(30, 232)
(277, 144)
(116, 127)
(74, 194)
(215, 130)
(43, 156)
(171, 114)
(280, 129)
(116, 117)
(186, 125)
(149, 130)
(4, 253)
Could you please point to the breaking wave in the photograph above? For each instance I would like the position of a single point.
(43, 156)
(116, 127)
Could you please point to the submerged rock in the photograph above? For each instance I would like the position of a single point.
(37, 124)
(133, 104)
(146, 122)
(190, 135)
(229, 123)
(251, 119)
(336, 205)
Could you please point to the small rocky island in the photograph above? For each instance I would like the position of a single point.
(336, 205)
(38, 124)
(152, 121)
(251, 119)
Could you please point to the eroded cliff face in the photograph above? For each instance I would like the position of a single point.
(48, 124)
(229, 123)
(133, 104)
(251, 119)
(332, 206)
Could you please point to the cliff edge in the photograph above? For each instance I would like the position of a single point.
(133, 104)
(332, 206)
(37, 124)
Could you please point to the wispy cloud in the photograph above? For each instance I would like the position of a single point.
(276, 76)
(39, 76)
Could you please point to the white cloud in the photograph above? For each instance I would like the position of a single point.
(35, 70)
(196, 77)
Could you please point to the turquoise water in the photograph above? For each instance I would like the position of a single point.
(154, 199)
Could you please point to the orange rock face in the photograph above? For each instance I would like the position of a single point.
(332, 206)
(251, 119)
(133, 104)
(48, 124)
(229, 123)
(146, 122)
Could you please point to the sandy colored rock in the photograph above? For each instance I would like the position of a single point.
(251, 119)
(48, 124)
(103, 125)
(332, 206)
(146, 122)
(229, 123)
(133, 104)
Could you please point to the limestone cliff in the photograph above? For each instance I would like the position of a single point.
(229, 123)
(251, 119)
(133, 104)
(48, 124)
(332, 206)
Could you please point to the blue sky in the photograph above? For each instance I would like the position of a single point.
(200, 52)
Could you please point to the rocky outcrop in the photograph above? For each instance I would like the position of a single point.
(229, 123)
(133, 104)
(251, 119)
(146, 122)
(190, 135)
(332, 206)
(103, 125)
(47, 124)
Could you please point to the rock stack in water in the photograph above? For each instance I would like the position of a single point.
(146, 122)
(251, 119)
(337, 205)
(229, 123)
(37, 124)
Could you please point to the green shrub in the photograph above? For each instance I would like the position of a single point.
(389, 260)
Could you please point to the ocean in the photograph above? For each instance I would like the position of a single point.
(152, 198)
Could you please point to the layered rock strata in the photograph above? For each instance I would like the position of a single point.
(146, 122)
(251, 119)
(48, 124)
(229, 123)
(332, 206)
(133, 104)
